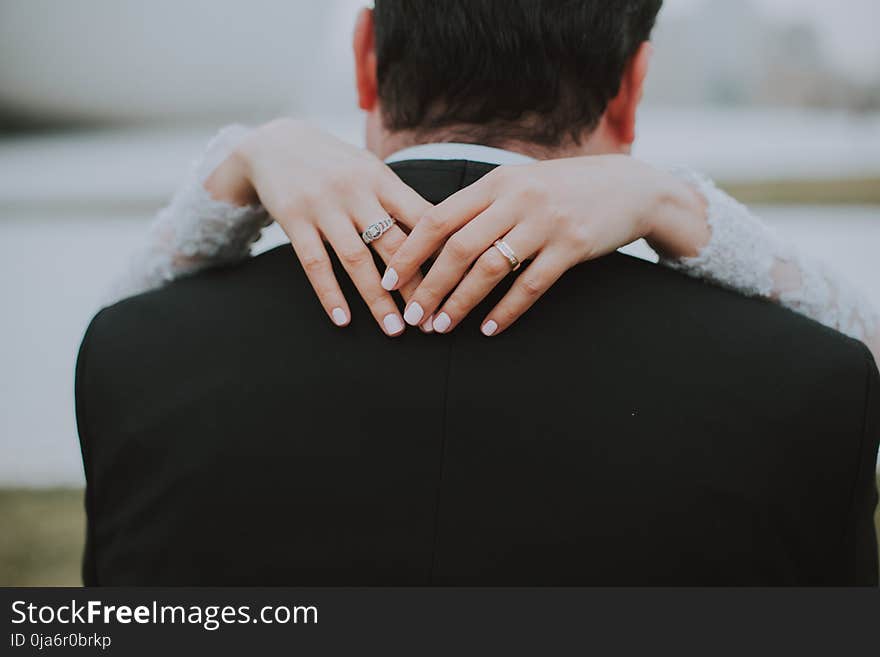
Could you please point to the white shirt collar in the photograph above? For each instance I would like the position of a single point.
(459, 151)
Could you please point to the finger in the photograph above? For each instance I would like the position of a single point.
(434, 228)
(357, 259)
(386, 245)
(537, 278)
(457, 256)
(312, 255)
(489, 270)
(401, 201)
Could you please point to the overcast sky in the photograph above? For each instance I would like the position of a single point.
(848, 28)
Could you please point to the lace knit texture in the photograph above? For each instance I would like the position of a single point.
(746, 255)
(194, 231)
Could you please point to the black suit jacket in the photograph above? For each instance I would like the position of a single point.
(635, 427)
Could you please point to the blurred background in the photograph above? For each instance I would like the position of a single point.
(103, 103)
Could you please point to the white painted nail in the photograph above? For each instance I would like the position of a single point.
(392, 323)
(339, 316)
(428, 325)
(442, 322)
(389, 280)
(489, 328)
(413, 314)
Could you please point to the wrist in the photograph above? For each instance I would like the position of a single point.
(677, 225)
(230, 181)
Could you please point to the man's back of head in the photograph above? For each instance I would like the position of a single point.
(550, 78)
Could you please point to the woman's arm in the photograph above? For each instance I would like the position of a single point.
(195, 230)
(562, 212)
(315, 186)
(746, 255)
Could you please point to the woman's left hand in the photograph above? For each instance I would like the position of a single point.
(556, 213)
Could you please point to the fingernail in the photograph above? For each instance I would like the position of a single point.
(339, 316)
(489, 328)
(389, 280)
(428, 325)
(413, 314)
(392, 323)
(442, 322)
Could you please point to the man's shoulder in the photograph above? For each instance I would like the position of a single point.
(273, 274)
(229, 304)
(660, 288)
(247, 277)
(634, 306)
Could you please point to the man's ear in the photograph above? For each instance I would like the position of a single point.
(621, 112)
(365, 61)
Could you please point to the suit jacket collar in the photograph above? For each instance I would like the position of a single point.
(459, 151)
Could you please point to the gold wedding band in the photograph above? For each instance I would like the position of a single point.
(505, 250)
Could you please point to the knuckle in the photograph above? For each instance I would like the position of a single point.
(457, 247)
(376, 302)
(460, 304)
(433, 223)
(504, 315)
(296, 206)
(327, 187)
(581, 239)
(313, 264)
(428, 295)
(341, 183)
(354, 256)
(533, 190)
(494, 265)
(531, 285)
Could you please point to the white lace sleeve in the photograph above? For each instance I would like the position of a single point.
(746, 255)
(194, 231)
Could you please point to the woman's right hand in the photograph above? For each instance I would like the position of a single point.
(318, 189)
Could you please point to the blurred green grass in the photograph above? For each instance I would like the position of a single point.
(826, 191)
(41, 537)
(42, 534)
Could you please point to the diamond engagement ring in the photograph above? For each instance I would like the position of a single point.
(508, 253)
(376, 230)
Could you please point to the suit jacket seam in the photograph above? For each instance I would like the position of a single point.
(443, 430)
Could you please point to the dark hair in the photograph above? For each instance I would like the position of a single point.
(541, 71)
